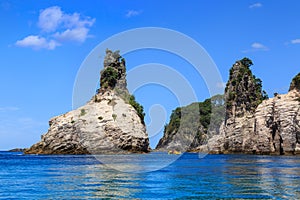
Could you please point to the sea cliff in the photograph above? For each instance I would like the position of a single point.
(250, 123)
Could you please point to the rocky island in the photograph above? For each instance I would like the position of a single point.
(111, 122)
(251, 122)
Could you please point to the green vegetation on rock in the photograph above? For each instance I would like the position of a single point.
(196, 122)
(113, 77)
(82, 112)
(139, 108)
(295, 84)
(109, 78)
(114, 116)
(243, 90)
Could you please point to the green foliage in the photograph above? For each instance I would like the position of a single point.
(109, 77)
(174, 123)
(246, 62)
(296, 82)
(72, 121)
(205, 113)
(243, 88)
(100, 118)
(114, 116)
(139, 108)
(209, 113)
(265, 95)
(82, 112)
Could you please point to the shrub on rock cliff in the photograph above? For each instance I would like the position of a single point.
(139, 108)
(295, 84)
(243, 92)
(109, 77)
(194, 123)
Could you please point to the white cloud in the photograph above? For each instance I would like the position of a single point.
(75, 21)
(256, 46)
(295, 41)
(9, 108)
(50, 18)
(255, 5)
(259, 46)
(58, 27)
(132, 13)
(77, 34)
(37, 42)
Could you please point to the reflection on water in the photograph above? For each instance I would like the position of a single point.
(213, 177)
(269, 176)
(137, 163)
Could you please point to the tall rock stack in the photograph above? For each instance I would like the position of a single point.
(111, 122)
(253, 123)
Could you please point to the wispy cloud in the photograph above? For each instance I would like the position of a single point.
(58, 27)
(9, 108)
(259, 46)
(255, 5)
(295, 41)
(50, 18)
(256, 46)
(133, 13)
(36, 42)
(77, 34)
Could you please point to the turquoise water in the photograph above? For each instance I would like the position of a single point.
(212, 177)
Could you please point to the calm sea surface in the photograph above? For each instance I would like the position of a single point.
(190, 177)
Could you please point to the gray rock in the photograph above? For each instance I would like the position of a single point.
(273, 127)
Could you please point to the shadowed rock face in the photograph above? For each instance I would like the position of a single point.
(107, 124)
(272, 127)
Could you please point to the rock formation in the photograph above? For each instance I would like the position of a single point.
(192, 125)
(254, 124)
(111, 122)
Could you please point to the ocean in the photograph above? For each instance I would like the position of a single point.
(149, 176)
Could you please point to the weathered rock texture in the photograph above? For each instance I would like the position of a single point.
(108, 123)
(270, 127)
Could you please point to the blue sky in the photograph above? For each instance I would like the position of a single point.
(41, 55)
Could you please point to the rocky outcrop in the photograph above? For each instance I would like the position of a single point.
(17, 150)
(243, 92)
(271, 127)
(111, 122)
(192, 125)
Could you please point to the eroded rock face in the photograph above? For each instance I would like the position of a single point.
(273, 127)
(277, 123)
(106, 124)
